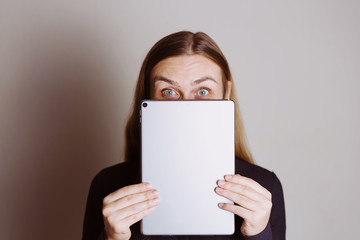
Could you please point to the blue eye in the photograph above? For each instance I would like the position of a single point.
(169, 92)
(203, 92)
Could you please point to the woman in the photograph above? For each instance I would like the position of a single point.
(183, 65)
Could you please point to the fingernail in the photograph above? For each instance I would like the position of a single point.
(219, 189)
(227, 177)
(154, 193)
(221, 182)
(220, 205)
(148, 185)
(156, 200)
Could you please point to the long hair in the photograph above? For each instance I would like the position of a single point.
(177, 44)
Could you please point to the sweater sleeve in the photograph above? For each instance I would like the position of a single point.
(277, 217)
(276, 227)
(266, 234)
(93, 222)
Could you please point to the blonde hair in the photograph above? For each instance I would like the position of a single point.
(177, 44)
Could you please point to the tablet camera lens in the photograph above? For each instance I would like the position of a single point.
(144, 105)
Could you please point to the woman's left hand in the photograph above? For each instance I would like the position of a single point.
(254, 202)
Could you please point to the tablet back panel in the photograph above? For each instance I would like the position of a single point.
(186, 147)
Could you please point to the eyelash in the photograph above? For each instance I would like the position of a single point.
(208, 89)
(164, 89)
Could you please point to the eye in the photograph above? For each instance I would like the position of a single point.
(203, 92)
(168, 92)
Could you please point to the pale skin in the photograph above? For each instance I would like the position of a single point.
(187, 77)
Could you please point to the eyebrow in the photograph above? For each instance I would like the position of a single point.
(195, 82)
(164, 79)
(203, 79)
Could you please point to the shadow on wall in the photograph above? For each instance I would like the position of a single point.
(57, 134)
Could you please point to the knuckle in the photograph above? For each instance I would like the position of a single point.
(106, 218)
(236, 177)
(118, 228)
(148, 194)
(268, 205)
(129, 198)
(250, 181)
(125, 190)
(256, 218)
(238, 211)
(143, 187)
(106, 200)
(110, 219)
(225, 192)
(134, 218)
(263, 213)
(245, 189)
(252, 218)
(142, 214)
(105, 211)
(134, 209)
(238, 199)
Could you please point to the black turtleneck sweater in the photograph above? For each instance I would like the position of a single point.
(115, 177)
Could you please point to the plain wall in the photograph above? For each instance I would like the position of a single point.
(67, 76)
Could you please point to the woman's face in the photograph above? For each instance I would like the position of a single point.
(187, 77)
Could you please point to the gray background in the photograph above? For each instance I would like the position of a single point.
(67, 76)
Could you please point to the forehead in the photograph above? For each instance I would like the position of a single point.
(188, 66)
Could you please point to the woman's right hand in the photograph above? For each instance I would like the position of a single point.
(126, 206)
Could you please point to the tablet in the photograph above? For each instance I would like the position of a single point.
(186, 146)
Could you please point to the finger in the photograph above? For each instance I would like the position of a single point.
(248, 182)
(237, 198)
(242, 190)
(237, 210)
(130, 220)
(129, 200)
(122, 225)
(136, 208)
(128, 190)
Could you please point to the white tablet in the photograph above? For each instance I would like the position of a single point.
(186, 146)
